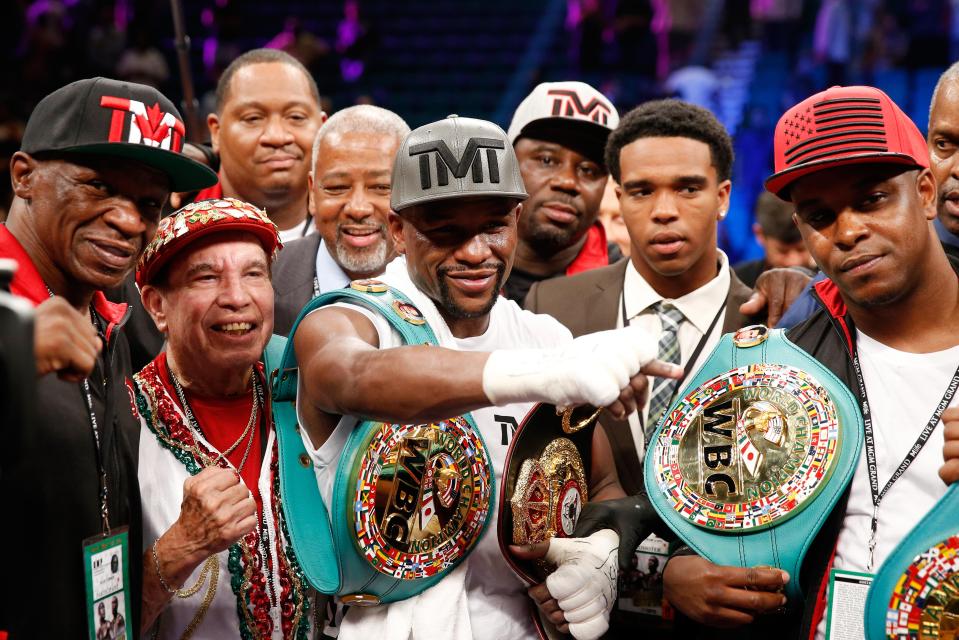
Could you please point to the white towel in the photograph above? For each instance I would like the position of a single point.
(439, 612)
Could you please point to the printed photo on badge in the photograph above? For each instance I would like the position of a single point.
(641, 586)
(110, 623)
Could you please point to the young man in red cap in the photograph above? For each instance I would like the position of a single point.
(857, 171)
(215, 564)
(98, 160)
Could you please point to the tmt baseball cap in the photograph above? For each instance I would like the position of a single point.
(104, 117)
(570, 113)
(454, 158)
(843, 126)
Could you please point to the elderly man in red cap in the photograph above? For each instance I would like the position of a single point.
(215, 562)
(856, 169)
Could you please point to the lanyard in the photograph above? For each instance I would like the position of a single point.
(692, 358)
(101, 469)
(870, 445)
(87, 395)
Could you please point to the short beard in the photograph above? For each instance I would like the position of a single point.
(547, 240)
(455, 311)
(367, 261)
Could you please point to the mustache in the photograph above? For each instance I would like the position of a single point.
(371, 227)
(560, 198)
(499, 267)
(946, 189)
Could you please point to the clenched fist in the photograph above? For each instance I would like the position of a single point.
(217, 510)
(579, 595)
(64, 340)
(603, 369)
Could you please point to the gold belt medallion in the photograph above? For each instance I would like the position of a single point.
(549, 494)
(422, 495)
(747, 448)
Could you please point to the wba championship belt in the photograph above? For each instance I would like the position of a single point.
(747, 464)
(545, 485)
(410, 502)
(915, 595)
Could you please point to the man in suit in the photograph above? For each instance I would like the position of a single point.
(671, 161)
(349, 200)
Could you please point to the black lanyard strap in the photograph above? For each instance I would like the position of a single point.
(98, 446)
(870, 446)
(101, 468)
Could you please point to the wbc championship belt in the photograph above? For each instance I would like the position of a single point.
(749, 461)
(544, 487)
(409, 503)
(915, 594)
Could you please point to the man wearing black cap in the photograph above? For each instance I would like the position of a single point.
(559, 132)
(99, 159)
(857, 171)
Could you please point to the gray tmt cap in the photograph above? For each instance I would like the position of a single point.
(454, 158)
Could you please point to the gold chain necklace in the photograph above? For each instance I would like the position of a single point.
(195, 425)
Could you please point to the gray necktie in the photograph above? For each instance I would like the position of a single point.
(663, 388)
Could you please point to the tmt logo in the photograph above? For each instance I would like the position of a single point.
(567, 103)
(446, 162)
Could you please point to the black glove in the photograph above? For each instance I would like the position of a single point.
(632, 517)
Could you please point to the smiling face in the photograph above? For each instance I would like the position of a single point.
(943, 141)
(264, 133)
(215, 305)
(867, 227)
(92, 216)
(459, 252)
(565, 189)
(350, 199)
(671, 200)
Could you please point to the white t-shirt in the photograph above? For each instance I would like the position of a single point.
(301, 230)
(498, 605)
(904, 390)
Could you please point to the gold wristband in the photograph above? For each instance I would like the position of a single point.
(156, 565)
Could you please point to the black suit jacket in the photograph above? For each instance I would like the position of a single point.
(589, 302)
(293, 275)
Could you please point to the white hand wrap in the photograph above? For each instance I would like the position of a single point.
(584, 583)
(592, 369)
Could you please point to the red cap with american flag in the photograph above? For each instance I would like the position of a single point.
(842, 126)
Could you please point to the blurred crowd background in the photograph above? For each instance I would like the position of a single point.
(746, 60)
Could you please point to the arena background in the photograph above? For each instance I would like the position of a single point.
(745, 59)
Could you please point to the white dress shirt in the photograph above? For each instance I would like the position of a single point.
(329, 274)
(699, 308)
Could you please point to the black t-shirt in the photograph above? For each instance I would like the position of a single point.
(49, 489)
(142, 335)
